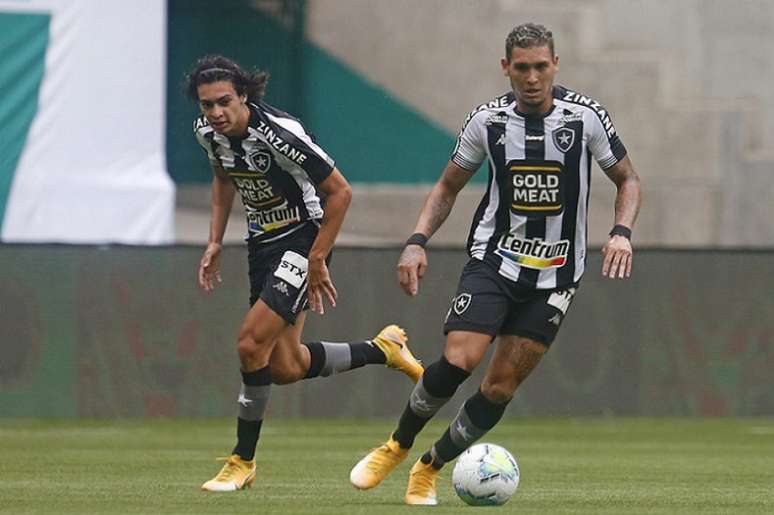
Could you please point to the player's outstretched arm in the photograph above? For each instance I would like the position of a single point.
(223, 192)
(320, 285)
(617, 251)
(412, 263)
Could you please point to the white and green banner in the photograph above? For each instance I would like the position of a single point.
(82, 122)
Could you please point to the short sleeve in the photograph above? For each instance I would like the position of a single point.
(200, 129)
(470, 148)
(605, 144)
(298, 145)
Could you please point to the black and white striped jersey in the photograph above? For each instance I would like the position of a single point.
(532, 222)
(275, 169)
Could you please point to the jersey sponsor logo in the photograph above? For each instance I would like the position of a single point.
(256, 191)
(271, 220)
(538, 187)
(529, 137)
(292, 269)
(280, 145)
(595, 106)
(497, 118)
(259, 160)
(496, 103)
(563, 138)
(533, 253)
(461, 303)
(574, 117)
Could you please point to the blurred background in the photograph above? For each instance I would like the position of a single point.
(104, 197)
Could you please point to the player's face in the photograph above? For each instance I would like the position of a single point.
(531, 72)
(223, 107)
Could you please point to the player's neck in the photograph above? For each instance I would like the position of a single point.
(240, 127)
(542, 109)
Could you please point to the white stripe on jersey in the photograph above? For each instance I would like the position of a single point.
(514, 149)
(298, 130)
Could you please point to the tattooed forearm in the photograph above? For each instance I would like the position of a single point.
(437, 208)
(441, 199)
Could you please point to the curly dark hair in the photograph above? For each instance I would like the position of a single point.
(528, 35)
(214, 68)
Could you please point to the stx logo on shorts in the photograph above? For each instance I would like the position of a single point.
(292, 269)
(461, 303)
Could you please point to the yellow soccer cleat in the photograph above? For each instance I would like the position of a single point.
(393, 342)
(377, 465)
(236, 474)
(421, 486)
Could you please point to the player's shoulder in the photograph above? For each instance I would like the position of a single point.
(483, 112)
(581, 103)
(273, 112)
(201, 126)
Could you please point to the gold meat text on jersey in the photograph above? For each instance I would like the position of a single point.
(256, 189)
(538, 187)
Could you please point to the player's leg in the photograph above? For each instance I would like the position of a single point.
(462, 353)
(257, 337)
(515, 357)
(477, 312)
(292, 361)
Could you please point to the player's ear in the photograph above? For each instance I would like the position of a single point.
(243, 98)
(504, 63)
(556, 62)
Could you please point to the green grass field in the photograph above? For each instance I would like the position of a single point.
(592, 466)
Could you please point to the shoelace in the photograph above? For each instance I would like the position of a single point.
(423, 483)
(381, 457)
(229, 471)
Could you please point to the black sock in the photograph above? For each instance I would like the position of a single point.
(477, 416)
(365, 353)
(248, 432)
(441, 380)
(316, 359)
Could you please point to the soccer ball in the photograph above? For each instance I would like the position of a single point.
(485, 475)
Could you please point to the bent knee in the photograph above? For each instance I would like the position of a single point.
(498, 392)
(284, 374)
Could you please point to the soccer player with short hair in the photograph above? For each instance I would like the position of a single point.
(281, 174)
(527, 248)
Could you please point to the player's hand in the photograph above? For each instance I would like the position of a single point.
(320, 286)
(618, 258)
(412, 265)
(209, 267)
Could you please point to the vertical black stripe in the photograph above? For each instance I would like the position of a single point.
(235, 144)
(534, 149)
(572, 171)
(499, 177)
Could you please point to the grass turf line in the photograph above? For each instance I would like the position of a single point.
(583, 466)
